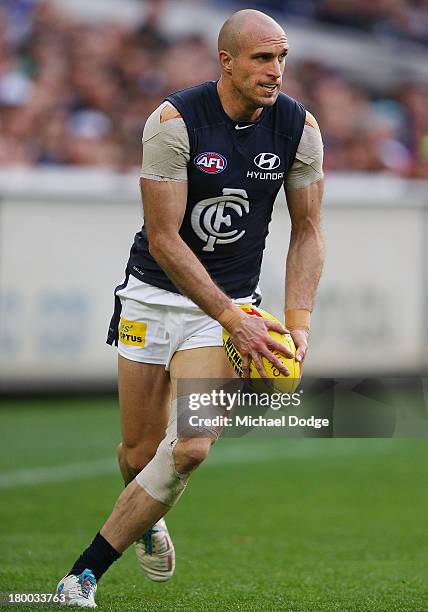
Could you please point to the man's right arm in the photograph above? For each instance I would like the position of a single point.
(164, 207)
(164, 201)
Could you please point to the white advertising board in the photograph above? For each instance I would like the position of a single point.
(60, 262)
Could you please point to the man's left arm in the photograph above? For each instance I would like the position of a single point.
(304, 190)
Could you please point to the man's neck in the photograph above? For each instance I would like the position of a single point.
(233, 106)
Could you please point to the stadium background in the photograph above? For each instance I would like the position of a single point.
(268, 524)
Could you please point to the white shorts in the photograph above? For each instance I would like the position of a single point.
(156, 323)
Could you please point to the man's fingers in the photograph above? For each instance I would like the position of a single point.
(277, 363)
(281, 348)
(260, 345)
(245, 366)
(276, 326)
(258, 362)
(300, 354)
(259, 365)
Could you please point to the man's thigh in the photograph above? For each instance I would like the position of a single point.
(203, 369)
(202, 362)
(209, 362)
(145, 399)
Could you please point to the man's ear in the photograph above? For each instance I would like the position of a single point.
(226, 61)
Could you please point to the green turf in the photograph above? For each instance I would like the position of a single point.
(297, 525)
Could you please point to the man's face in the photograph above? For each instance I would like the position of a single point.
(257, 69)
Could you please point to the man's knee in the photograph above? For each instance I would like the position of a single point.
(136, 457)
(190, 452)
(166, 477)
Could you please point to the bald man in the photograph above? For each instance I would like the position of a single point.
(214, 159)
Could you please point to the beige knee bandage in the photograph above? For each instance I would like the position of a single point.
(160, 478)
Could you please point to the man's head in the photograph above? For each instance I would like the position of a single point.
(252, 49)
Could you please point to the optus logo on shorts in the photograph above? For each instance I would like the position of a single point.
(132, 333)
(211, 163)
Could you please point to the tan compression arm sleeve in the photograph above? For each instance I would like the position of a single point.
(307, 166)
(166, 149)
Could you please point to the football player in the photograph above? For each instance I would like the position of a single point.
(214, 159)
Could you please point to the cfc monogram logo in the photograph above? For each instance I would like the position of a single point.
(208, 216)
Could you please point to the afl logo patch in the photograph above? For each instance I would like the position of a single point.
(212, 163)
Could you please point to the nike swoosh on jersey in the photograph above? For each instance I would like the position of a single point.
(242, 127)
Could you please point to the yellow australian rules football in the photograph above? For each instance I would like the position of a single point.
(281, 383)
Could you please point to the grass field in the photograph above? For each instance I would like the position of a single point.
(267, 524)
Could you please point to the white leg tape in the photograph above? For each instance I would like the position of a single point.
(160, 478)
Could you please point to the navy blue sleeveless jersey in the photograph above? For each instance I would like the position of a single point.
(234, 174)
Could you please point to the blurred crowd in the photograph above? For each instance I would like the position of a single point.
(405, 19)
(73, 93)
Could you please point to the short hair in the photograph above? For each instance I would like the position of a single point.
(230, 33)
(227, 38)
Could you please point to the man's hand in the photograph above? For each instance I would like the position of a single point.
(300, 338)
(253, 341)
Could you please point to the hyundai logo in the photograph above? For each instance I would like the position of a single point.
(267, 161)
